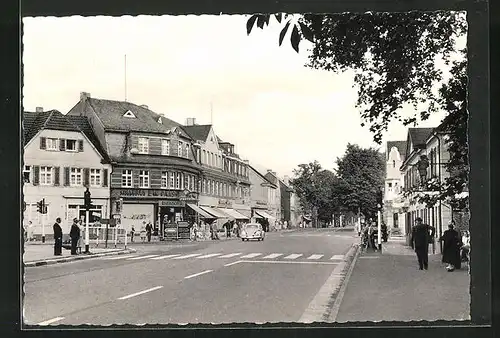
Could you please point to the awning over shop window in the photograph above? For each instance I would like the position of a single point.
(264, 214)
(214, 212)
(201, 212)
(233, 213)
(244, 212)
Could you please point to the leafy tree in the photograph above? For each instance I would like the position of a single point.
(361, 172)
(394, 57)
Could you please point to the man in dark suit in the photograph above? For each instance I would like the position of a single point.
(420, 237)
(58, 234)
(75, 235)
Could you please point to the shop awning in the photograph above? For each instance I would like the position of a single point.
(201, 212)
(264, 214)
(233, 213)
(244, 212)
(214, 212)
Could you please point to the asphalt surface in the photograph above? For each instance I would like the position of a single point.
(206, 282)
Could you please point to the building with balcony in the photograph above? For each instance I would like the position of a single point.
(262, 196)
(155, 174)
(62, 155)
(225, 186)
(394, 156)
(430, 143)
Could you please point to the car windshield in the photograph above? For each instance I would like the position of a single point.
(252, 227)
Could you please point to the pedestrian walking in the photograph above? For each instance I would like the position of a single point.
(143, 233)
(420, 237)
(451, 248)
(464, 252)
(149, 228)
(58, 234)
(74, 234)
(132, 232)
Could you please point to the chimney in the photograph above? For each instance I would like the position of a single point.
(84, 96)
(39, 109)
(190, 121)
(145, 106)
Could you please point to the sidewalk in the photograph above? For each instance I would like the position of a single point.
(390, 287)
(36, 254)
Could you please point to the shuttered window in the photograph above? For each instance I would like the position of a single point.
(43, 143)
(86, 177)
(36, 175)
(105, 177)
(66, 176)
(62, 144)
(57, 175)
(80, 145)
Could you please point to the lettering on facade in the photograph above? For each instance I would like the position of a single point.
(171, 203)
(150, 193)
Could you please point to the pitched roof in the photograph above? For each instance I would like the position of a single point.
(400, 145)
(55, 120)
(111, 113)
(198, 132)
(263, 177)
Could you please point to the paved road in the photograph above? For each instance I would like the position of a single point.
(209, 282)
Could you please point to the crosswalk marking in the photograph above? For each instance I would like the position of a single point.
(315, 256)
(337, 257)
(118, 257)
(142, 257)
(293, 256)
(252, 255)
(187, 256)
(273, 255)
(209, 255)
(231, 255)
(165, 257)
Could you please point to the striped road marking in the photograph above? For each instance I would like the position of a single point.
(119, 257)
(140, 293)
(165, 257)
(187, 256)
(209, 255)
(337, 257)
(142, 257)
(293, 256)
(315, 256)
(252, 255)
(231, 255)
(273, 255)
(50, 321)
(198, 274)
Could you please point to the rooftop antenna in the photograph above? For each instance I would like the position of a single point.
(125, 77)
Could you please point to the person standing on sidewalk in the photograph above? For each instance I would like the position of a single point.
(58, 234)
(420, 238)
(148, 231)
(74, 234)
(451, 248)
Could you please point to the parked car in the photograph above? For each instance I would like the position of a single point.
(252, 231)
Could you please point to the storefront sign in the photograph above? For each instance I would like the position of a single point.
(149, 193)
(171, 203)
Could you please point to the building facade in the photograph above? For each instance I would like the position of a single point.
(155, 174)
(225, 186)
(275, 197)
(395, 155)
(262, 196)
(420, 142)
(62, 156)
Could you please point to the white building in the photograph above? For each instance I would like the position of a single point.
(395, 155)
(61, 157)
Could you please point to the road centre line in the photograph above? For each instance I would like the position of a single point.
(187, 256)
(142, 257)
(165, 257)
(230, 255)
(140, 293)
(233, 263)
(50, 321)
(209, 255)
(198, 274)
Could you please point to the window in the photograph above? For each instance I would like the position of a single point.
(143, 144)
(71, 145)
(128, 113)
(187, 150)
(179, 148)
(177, 180)
(224, 189)
(75, 177)
(52, 144)
(27, 174)
(394, 164)
(216, 188)
(192, 183)
(165, 147)
(127, 178)
(204, 186)
(164, 179)
(186, 181)
(389, 184)
(213, 187)
(143, 179)
(171, 180)
(95, 177)
(45, 175)
(204, 157)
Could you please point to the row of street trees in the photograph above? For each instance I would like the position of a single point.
(355, 186)
(394, 58)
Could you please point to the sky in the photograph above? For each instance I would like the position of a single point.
(257, 95)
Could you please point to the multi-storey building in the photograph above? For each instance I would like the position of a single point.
(155, 175)
(275, 206)
(394, 156)
(62, 156)
(428, 142)
(225, 187)
(262, 196)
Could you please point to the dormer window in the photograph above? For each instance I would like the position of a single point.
(159, 120)
(129, 114)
